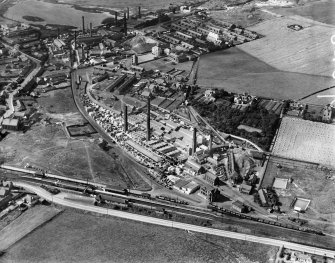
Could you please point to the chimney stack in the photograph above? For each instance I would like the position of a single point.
(115, 14)
(58, 32)
(75, 39)
(91, 29)
(83, 20)
(139, 12)
(83, 52)
(125, 112)
(127, 13)
(125, 23)
(194, 141)
(210, 143)
(148, 120)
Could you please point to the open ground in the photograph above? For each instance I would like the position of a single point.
(322, 11)
(77, 237)
(307, 182)
(46, 146)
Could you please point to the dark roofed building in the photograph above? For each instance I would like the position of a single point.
(238, 206)
(245, 189)
(212, 179)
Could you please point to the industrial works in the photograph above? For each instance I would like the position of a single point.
(127, 118)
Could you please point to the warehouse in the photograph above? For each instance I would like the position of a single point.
(145, 152)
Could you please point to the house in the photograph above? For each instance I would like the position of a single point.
(327, 113)
(238, 206)
(212, 179)
(245, 189)
(178, 57)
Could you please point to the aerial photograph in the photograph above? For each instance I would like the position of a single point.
(188, 131)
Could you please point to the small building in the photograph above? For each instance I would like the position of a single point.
(190, 188)
(156, 51)
(245, 189)
(210, 193)
(11, 124)
(178, 57)
(212, 179)
(4, 191)
(327, 113)
(238, 206)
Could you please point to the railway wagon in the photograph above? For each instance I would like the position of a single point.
(113, 199)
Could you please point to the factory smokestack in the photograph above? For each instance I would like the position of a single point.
(125, 112)
(127, 13)
(75, 39)
(139, 12)
(83, 52)
(83, 20)
(148, 120)
(115, 14)
(125, 23)
(194, 140)
(210, 143)
(91, 29)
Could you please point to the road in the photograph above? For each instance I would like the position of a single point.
(262, 240)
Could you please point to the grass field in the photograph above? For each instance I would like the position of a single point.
(236, 71)
(76, 237)
(26, 223)
(322, 11)
(307, 183)
(307, 51)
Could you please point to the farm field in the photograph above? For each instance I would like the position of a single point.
(236, 71)
(322, 11)
(306, 51)
(107, 239)
(314, 99)
(306, 141)
(307, 182)
(26, 223)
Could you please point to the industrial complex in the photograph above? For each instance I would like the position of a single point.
(127, 91)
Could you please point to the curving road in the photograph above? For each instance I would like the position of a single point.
(267, 241)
